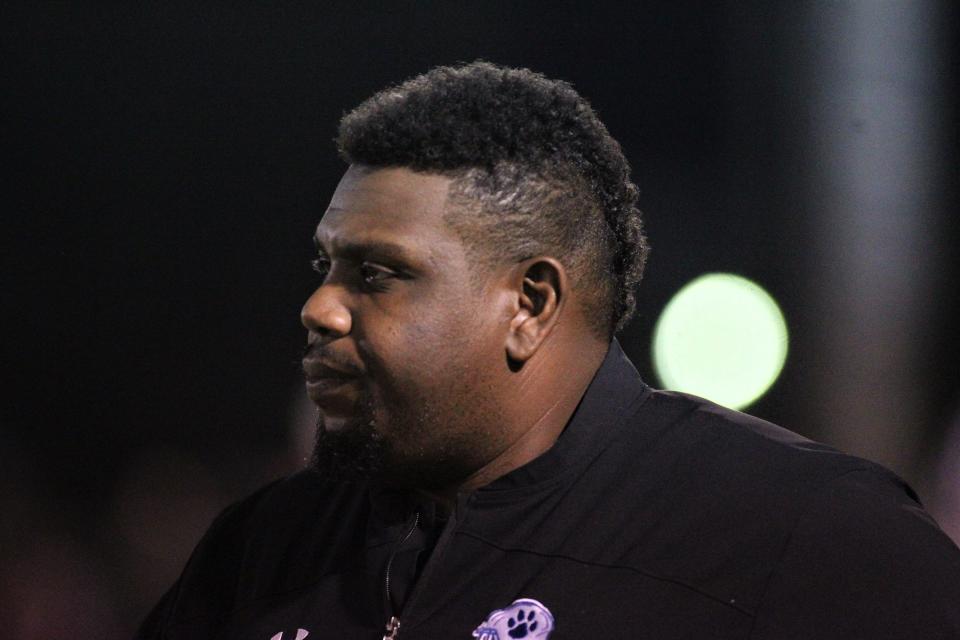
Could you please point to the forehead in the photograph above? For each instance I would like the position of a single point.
(392, 204)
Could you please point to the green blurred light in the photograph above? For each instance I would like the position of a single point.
(721, 337)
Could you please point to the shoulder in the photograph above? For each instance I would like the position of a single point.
(737, 452)
(278, 513)
(277, 538)
(699, 453)
(720, 500)
(863, 560)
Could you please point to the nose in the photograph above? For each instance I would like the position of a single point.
(325, 313)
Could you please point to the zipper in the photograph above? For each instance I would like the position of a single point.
(393, 625)
(393, 628)
(431, 565)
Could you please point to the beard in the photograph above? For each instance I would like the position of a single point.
(354, 453)
(406, 440)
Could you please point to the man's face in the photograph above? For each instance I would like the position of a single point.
(405, 339)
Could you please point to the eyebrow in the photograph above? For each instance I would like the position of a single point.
(354, 250)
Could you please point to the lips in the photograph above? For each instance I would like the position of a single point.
(317, 369)
(330, 387)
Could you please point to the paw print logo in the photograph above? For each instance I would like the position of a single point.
(520, 628)
(524, 618)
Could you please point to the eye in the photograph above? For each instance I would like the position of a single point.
(375, 275)
(321, 266)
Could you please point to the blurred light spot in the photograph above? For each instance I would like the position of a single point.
(721, 337)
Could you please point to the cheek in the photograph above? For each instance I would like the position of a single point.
(431, 362)
(458, 333)
(443, 339)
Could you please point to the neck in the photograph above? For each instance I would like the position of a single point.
(545, 393)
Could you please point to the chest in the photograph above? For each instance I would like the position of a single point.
(470, 589)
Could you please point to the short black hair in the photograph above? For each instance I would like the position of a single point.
(531, 162)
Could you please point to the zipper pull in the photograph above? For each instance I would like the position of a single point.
(393, 629)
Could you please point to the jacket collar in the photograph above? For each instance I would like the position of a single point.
(615, 391)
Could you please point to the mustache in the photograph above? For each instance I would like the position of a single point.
(331, 359)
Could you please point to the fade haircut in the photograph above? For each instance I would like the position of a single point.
(534, 172)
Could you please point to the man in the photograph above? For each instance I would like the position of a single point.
(490, 465)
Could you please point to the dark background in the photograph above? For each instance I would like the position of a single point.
(166, 164)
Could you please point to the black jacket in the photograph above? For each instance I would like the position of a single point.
(655, 515)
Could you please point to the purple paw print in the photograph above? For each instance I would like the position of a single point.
(524, 618)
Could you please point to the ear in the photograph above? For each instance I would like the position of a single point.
(541, 287)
